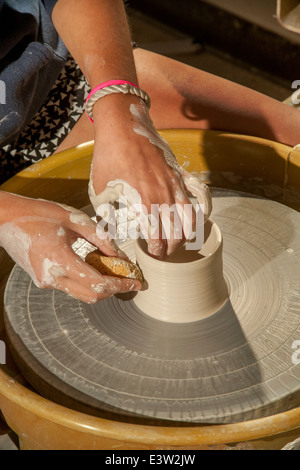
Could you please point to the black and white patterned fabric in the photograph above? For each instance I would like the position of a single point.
(55, 119)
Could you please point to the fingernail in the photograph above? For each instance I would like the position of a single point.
(156, 249)
(135, 286)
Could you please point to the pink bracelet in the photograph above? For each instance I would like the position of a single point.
(113, 86)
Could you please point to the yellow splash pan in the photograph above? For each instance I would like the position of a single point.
(225, 160)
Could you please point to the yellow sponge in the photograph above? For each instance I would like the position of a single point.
(111, 266)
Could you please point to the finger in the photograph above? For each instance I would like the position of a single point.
(78, 291)
(172, 226)
(93, 294)
(112, 285)
(157, 248)
(91, 279)
(94, 233)
(200, 191)
(157, 243)
(187, 214)
(175, 218)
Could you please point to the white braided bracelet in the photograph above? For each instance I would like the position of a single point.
(114, 86)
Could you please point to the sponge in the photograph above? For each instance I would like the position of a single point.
(112, 266)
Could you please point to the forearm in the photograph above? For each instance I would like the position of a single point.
(97, 34)
(127, 147)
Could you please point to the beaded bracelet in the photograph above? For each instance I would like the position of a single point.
(113, 86)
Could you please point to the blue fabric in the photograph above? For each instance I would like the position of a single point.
(31, 58)
(49, 5)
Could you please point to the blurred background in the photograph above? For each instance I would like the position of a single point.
(240, 40)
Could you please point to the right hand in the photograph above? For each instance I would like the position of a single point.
(38, 235)
(130, 153)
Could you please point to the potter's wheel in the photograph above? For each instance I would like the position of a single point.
(232, 366)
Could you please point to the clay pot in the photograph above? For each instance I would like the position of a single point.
(186, 287)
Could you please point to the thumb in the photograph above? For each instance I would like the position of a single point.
(94, 233)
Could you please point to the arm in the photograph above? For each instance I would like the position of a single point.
(127, 147)
(96, 33)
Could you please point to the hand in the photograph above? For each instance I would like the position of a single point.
(38, 235)
(131, 159)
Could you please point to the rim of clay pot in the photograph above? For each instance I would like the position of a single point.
(141, 248)
(194, 289)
